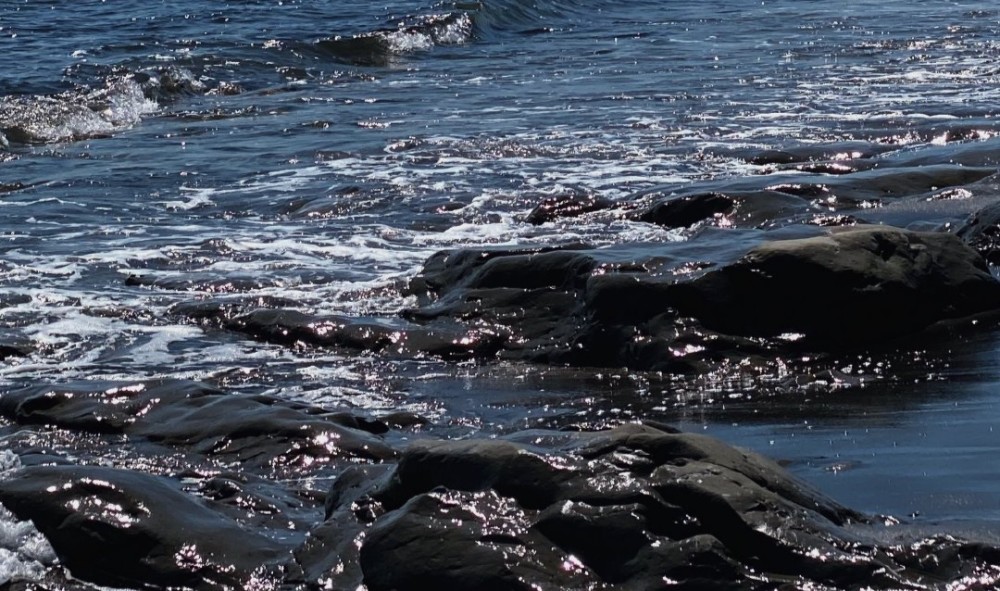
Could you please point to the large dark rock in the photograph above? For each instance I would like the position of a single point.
(848, 287)
(628, 508)
(730, 209)
(127, 529)
(853, 286)
(982, 232)
(256, 430)
(653, 306)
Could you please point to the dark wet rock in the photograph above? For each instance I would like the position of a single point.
(833, 166)
(982, 232)
(259, 503)
(15, 344)
(474, 547)
(272, 320)
(446, 341)
(651, 307)
(127, 529)
(769, 200)
(219, 310)
(686, 211)
(810, 152)
(254, 430)
(853, 286)
(736, 209)
(403, 419)
(894, 182)
(474, 466)
(542, 267)
(628, 508)
(568, 206)
(202, 283)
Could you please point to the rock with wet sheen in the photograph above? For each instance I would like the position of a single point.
(839, 287)
(848, 287)
(257, 430)
(628, 508)
(566, 206)
(746, 209)
(127, 529)
(853, 286)
(982, 232)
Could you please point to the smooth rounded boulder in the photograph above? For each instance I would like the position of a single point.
(853, 286)
(128, 529)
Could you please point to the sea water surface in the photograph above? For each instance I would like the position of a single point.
(320, 151)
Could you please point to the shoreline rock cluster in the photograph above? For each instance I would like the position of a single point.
(843, 288)
(634, 507)
(219, 489)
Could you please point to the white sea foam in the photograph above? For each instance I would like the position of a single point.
(436, 30)
(24, 551)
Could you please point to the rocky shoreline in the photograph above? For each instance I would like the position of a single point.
(222, 503)
(634, 507)
(219, 489)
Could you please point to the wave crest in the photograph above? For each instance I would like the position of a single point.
(382, 47)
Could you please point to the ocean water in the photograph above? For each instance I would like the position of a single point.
(155, 153)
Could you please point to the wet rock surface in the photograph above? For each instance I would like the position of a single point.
(871, 283)
(631, 507)
(838, 288)
(982, 232)
(257, 430)
(622, 508)
(123, 528)
(852, 286)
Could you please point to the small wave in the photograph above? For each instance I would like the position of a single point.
(382, 47)
(73, 116)
(524, 17)
(84, 113)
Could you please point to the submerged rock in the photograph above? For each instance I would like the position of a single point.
(257, 430)
(568, 206)
(730, 209)
(630, 508)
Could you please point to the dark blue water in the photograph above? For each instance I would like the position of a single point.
(320, 151)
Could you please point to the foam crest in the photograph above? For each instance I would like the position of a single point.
(74, 116)
(24, 551)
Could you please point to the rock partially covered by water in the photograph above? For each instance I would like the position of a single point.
(982, 232)
(256, 430)
(631, 508)
(746, 208)
(650, 307)
(127, 529)
(848, 287)
(566, 206)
